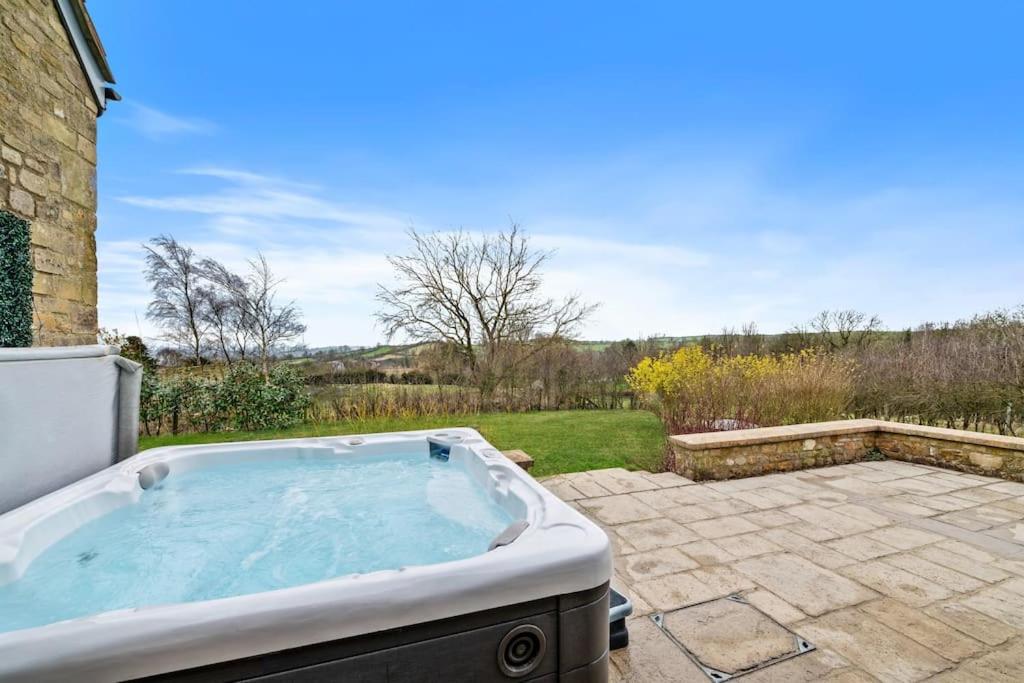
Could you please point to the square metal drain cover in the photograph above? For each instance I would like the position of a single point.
(728, 637)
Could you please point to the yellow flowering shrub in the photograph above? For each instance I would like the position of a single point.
(695, 391)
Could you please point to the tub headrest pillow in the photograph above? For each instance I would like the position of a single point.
(511, 533)
(151, 475)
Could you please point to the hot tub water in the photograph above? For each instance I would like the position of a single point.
(247, 527)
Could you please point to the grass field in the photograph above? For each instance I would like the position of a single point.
(559, 441)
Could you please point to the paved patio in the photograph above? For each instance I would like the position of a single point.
(894, 571)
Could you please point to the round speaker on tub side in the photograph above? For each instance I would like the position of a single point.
(521, 650)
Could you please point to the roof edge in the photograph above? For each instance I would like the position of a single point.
(88, 48)
(93, 39)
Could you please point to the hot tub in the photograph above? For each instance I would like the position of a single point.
(391, 557)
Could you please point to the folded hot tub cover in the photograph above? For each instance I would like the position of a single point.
(65, 413)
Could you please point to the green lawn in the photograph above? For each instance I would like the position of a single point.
(559, 441)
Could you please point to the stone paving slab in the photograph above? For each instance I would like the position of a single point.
(932, 633)
(897, 583)
(960, 563)
(894, 571)
(861, 547)
(1014, 531)
(651, 657)
(747, 545)
(655, 533)
(674, 591)
(970, 622)
(708, 553)
(943, 576)
(618, 480)
(723, 526)
(817, 665)
(655, 563)
(904, 537)
(803, 584)
(618, 509)
(881, 651)
(1001, 666)
(998, 604)
(800, 545)
(981, 495)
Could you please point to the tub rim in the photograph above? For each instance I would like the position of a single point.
(560, 553)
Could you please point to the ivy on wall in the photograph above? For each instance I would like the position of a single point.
(15, 281)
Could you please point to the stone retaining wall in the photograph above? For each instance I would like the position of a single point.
(752, 452)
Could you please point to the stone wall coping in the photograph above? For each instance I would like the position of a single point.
(814, 430)
(1014, 443)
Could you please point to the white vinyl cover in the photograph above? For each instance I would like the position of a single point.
(65, 413)
(560, 552)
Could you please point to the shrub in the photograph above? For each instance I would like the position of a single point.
(15, 281)
(242, 399)
(693, 391)
(251, 402)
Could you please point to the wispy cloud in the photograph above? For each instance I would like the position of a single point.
(332, 254)
(328, 253)
(247, 178)
(156, 124)
(578, 247)
(262, 197)
(654, 253)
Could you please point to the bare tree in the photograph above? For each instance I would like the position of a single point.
(964, 374)
(259, 317)
(842, 329)
(480, 295)
(797, 338)
(224, 318)
(748, 340)
(179, 299)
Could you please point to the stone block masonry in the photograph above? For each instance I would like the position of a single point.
(753, 452)
(48, 166)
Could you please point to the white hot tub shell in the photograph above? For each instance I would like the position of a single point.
(552, 577)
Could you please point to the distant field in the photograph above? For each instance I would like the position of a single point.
(379, 351)
(328, 390)
(559, 441)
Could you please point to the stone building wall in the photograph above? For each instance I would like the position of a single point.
(752, 452)
(48, 166)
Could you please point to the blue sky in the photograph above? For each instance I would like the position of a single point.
(694, 166)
